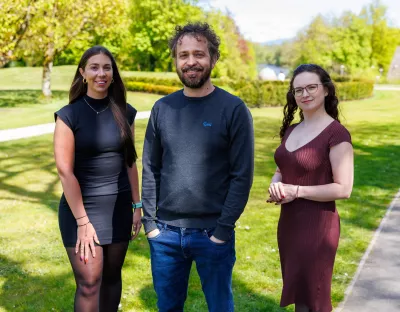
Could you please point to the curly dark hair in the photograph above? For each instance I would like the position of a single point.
(196, 30)
(331, 100)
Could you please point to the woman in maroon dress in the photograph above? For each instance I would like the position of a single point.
(315, 167)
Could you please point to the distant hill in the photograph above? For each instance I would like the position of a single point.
(275, 42)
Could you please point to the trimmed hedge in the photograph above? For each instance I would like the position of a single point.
(150, 88)
(354, 90)
(255, 93)
(273, 93)
(169, 82)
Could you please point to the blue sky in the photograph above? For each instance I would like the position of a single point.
(266, 20)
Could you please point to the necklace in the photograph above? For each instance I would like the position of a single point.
(94, 109)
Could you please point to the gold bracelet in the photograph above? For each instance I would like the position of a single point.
(83, 224)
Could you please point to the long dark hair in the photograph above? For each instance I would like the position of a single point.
(331, 100)
(116, 94)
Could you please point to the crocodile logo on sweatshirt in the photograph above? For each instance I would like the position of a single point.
(207, 124)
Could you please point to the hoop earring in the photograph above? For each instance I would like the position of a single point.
(112, 80)
(84, 81)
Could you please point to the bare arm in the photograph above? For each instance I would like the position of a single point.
(64, 153)
(342, 162)
(276, 191)
(277, 177)
(133, 176)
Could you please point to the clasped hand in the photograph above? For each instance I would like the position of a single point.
(280, 193)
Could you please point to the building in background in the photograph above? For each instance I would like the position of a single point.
(394, 69)
(272, 72)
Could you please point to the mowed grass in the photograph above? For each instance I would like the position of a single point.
(20, 108)
(35, 274)
(30, 78)
(22, 103)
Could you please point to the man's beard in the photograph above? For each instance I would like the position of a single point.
(194, 83)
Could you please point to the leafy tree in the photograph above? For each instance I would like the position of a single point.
(15, 18)
(237, 59)
(266, 54)
(351, 38)
(383, 40)
(314, 44)
(153, 23)
(59, 22)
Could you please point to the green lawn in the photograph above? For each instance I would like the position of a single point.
(22, 104)
(30, 78)
(20, 108)
(34, 271)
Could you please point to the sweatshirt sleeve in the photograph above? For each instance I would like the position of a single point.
(241, 159)
(152, 156)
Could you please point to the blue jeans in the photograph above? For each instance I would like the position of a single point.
(172, 254)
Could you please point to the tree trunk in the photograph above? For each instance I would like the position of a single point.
(3, 61)
(46, 78)
(152, 61)
(47, 67)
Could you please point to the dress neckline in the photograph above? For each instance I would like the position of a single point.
(97, 102)
(314, 138)
(97, 105)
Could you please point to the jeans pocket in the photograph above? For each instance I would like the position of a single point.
(209, 233)
(161, 229)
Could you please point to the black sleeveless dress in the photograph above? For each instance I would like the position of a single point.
(100, 170)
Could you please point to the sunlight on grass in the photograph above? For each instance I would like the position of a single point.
(34, 271)
(20, 108)
(30, 78)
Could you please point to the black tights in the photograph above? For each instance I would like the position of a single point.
(302, 308)
(98, 282)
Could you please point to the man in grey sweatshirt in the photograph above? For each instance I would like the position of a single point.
(198, 163)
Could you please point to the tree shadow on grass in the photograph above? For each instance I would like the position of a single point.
(376, 174)
(34, 161)
(246, 299)
(26, 291)
(25, 98)
(376, 168)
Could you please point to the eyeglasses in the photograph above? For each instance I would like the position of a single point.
(311, 88)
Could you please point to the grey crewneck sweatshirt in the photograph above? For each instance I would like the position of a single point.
(198, 162)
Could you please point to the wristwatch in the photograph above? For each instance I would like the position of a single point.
(137, 205)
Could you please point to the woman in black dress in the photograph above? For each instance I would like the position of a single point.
(95, 157)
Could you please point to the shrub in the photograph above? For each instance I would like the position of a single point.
(262, 93)
(169, 82)
(354, 90)
(273, 93)
(150, 88)
(255, 93)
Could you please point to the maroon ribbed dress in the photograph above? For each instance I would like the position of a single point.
(308, 231)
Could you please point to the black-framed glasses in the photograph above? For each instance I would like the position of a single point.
(311, 88)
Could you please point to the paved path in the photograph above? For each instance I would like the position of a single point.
(387, 87)
(376, 284)
(27, 132)
(31, 131)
